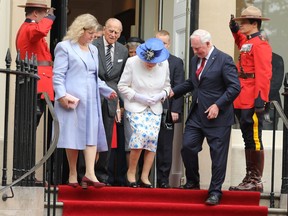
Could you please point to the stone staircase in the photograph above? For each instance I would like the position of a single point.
(29, 201)
(279, 204)
(278, 210)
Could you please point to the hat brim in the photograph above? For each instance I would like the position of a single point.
(34, 6)
(251, 17)
(163, 55)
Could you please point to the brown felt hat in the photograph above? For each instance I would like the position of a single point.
(251, 12)
(36, 4)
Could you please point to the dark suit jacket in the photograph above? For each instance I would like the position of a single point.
(176, 70)
(219, 84)
(277, 77)
(120, 57)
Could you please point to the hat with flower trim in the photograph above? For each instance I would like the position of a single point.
(152, 51)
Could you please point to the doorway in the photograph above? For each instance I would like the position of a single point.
(67, 10)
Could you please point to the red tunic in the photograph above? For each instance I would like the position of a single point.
(31, 39)
(256, 57)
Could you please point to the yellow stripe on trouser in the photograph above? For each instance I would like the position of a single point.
(255, 133)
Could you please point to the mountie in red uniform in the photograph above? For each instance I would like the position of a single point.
(255, 70)
(31, 39)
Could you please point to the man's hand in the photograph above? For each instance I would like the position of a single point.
(212, 111)
(175, 116)
(171, 94)
(233, 24)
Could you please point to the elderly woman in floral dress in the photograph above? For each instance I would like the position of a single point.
(144, 84)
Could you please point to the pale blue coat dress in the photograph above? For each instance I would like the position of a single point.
(76, 72)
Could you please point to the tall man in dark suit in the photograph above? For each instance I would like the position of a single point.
(118, 57)
(274, 94)
(275, 85)
(165, 139)
(214, 82)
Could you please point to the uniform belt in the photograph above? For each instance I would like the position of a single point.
(246, 75)
(44, 63)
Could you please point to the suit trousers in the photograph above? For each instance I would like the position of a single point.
(164, 155)
(218, 140)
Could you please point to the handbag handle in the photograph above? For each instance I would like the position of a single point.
(167, 102)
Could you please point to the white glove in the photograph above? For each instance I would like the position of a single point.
(159, 97)
(143, 99)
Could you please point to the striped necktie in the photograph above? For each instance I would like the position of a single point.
(108, 59)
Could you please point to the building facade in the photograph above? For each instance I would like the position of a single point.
(180, 18)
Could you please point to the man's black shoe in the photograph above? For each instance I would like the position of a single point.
(213, 199)
(104, 181)
(191, 186)
(164, 185)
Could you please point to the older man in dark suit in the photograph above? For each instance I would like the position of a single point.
(215, 85)
(112, 58)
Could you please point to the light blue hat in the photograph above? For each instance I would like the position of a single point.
(152, 51)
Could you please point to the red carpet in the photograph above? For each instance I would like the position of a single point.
(114, 201)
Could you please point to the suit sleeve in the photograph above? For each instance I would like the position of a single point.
(177, 79)
(183, 88)
(231, 80)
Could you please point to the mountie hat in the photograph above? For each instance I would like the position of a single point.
(36, 4)
(251, 12)
(152, 51)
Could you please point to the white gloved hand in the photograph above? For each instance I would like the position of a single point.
(143, 99)
(159, 97)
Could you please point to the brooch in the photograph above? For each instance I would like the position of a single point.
(149, 55)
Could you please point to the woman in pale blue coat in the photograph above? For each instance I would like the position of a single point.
(76, 73)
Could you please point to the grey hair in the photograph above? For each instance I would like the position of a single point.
(204, 35)
(132, 44)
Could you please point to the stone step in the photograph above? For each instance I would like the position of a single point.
(277, 212)
(265, 201)
(59, 210)
(278, 209)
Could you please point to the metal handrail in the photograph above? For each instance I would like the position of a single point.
(45, 157)
(280, 112)
(282, 115)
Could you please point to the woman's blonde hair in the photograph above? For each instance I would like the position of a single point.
(80, 24)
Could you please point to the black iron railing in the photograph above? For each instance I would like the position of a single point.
(23, 82)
